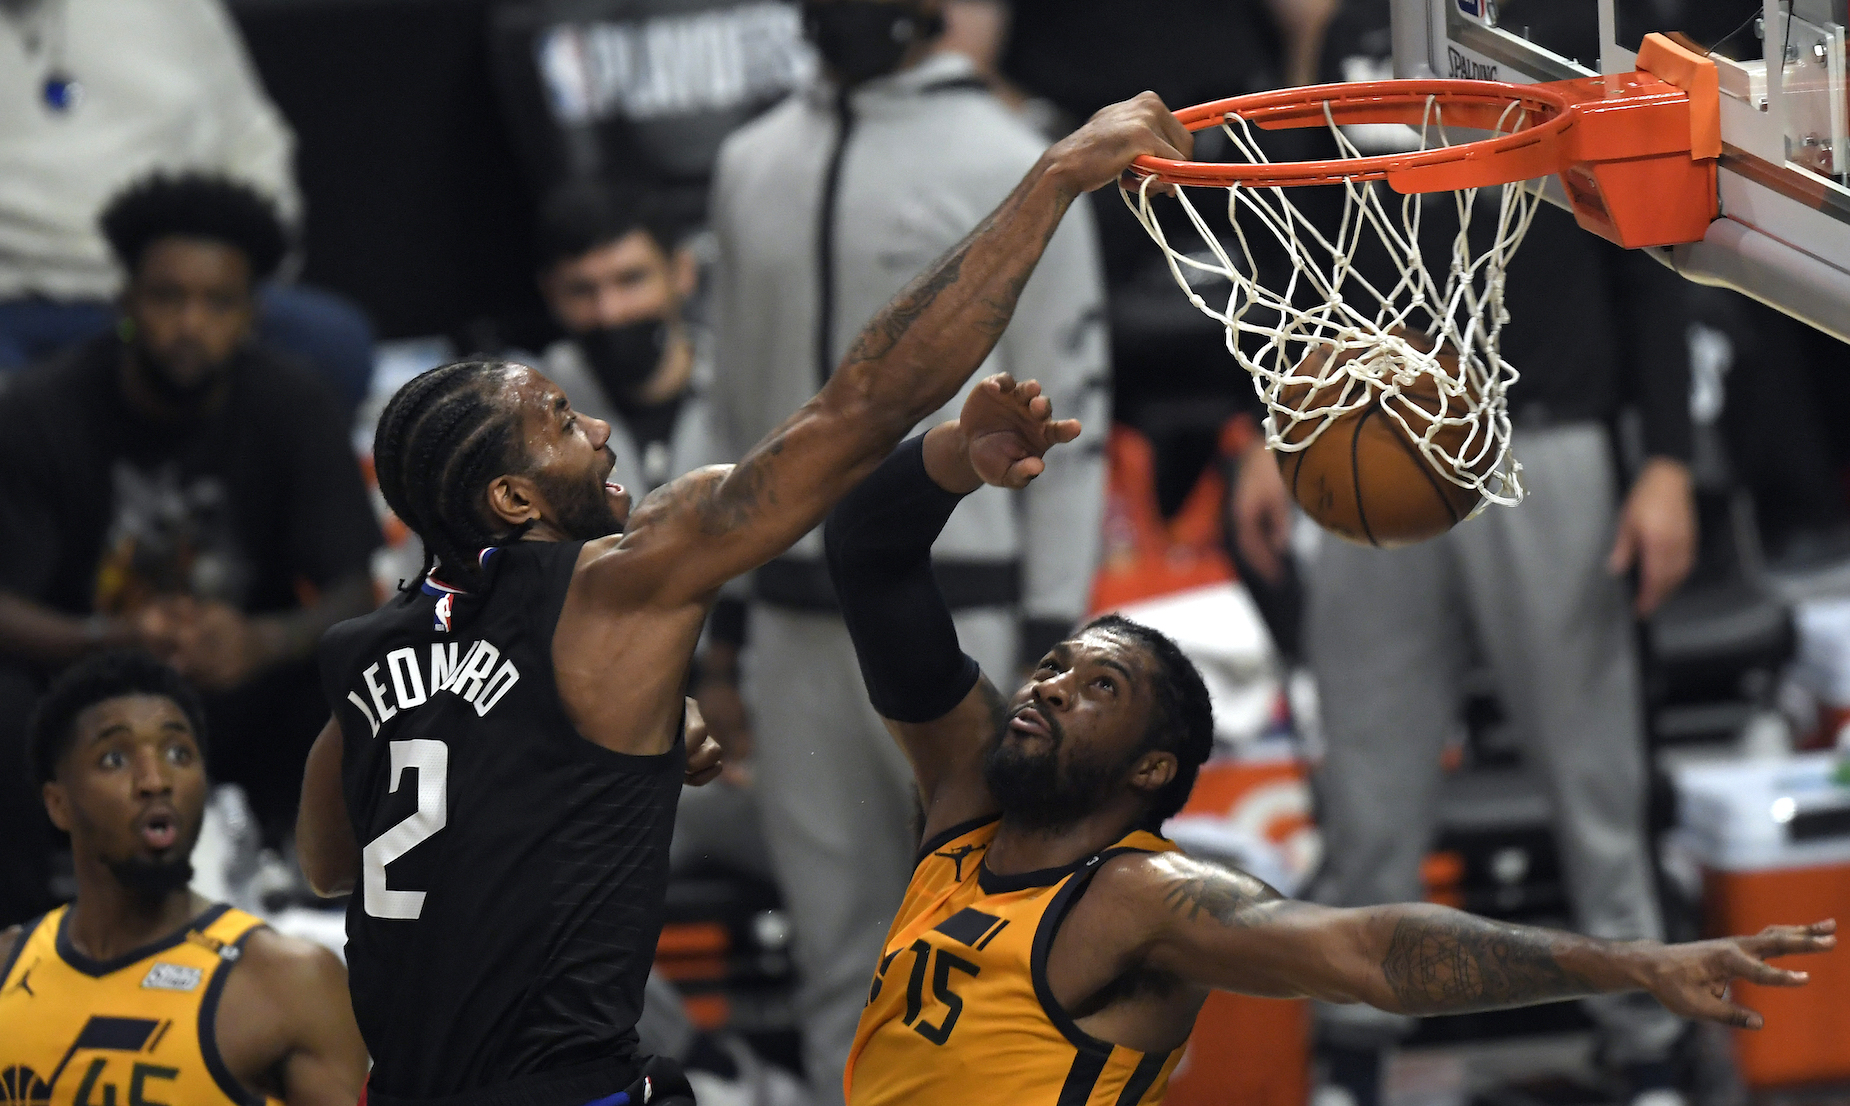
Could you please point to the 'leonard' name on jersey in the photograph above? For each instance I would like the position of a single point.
(473, 671)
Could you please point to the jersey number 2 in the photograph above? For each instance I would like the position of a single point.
(431, 761)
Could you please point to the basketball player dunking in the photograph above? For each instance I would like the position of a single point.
(498, 783)
(1051, 948)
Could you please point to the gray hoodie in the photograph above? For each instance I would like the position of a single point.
(928, 154)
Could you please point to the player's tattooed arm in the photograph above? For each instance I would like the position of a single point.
(1447, 961)
(1438, 961)
(1221, 895)
(909, 361)
(1228, 930)
(1411, 960)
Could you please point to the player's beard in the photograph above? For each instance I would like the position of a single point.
(152, 879)
(580, 507)
(1032, 790)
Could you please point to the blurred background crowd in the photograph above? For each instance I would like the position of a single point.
(230, 230)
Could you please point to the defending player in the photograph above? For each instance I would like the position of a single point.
(499, 782)
(141, 991)
(1051, 947)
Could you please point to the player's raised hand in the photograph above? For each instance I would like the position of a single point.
(1097, 153)
(1008, 427)
(1693, 979)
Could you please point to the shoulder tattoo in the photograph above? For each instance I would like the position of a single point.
(1223, 896)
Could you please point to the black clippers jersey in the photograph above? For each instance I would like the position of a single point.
(513, 875)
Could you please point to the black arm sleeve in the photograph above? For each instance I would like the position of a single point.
(879, 548)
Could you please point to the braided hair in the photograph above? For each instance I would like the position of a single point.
(442, 437)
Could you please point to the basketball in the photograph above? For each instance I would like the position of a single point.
(1364, 477)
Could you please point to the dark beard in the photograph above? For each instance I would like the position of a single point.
(152, 879)
(1032, 791)
(583, 510)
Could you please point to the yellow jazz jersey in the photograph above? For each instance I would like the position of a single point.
(133, 1031)
(960, 1011)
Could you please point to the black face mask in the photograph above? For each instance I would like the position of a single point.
(864, 39)
(624, 357)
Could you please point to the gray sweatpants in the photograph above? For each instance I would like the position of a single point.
(839, 808)
(1526, 589)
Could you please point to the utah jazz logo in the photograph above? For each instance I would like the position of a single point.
(956, 856)
(21, 1085)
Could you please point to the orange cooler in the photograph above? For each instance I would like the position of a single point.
(1774, 840)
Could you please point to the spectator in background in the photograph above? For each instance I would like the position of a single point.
(170, 485)
(615, 278)
(97, 93)
(876, 169)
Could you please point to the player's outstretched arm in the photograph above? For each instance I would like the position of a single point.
(700, 531)
(1227, 930)
(936, 703)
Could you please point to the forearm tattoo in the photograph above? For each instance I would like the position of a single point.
(896, 319)
(1456, 962)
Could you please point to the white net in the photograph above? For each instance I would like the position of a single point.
(1329, 339)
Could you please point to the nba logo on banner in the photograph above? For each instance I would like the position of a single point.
(446, 607)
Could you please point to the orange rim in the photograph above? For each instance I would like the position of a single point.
(1535, 150)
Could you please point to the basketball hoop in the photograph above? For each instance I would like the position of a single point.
(1635, 154)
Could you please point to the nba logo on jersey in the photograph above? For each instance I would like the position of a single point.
(446, 607)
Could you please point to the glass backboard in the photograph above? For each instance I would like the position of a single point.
(1784, 233)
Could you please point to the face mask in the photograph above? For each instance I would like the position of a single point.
(864, 39)
(624, 357)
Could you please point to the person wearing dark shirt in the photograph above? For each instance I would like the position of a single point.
(171, 486)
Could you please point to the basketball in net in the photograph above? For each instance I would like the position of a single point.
(1384, 383)
(1365, 473)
